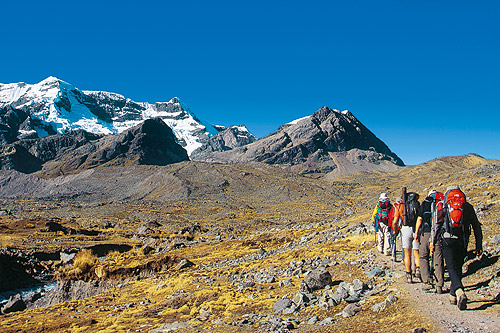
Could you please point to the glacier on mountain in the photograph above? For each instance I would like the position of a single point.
(57, 105)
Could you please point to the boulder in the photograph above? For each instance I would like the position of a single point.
(14, 304)
(327, 321)
(379, 307)
(495, 240)
(67, 258)
(282, 304)
(375, 272)
(300, 299)
(143, 229)
(318, 279)
(350, 310)
(184, 264)
(340, 294)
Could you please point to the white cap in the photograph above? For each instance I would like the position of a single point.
(383, 196)
(452, 187)
(431, 192)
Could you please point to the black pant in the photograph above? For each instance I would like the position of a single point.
(454, 255)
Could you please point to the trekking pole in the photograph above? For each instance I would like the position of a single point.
(392, 253)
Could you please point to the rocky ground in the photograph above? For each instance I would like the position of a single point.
(246, 247)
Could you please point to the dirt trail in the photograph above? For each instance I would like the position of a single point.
(447, 318)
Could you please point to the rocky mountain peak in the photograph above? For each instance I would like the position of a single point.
(327, 141)
(227, 139)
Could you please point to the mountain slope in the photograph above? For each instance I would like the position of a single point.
(151, 142)
(327, 141)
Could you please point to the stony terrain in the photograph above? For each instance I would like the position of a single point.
(242, 247)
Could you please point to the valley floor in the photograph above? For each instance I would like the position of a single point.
(195, 247)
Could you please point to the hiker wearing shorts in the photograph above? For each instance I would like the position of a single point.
(408, 213)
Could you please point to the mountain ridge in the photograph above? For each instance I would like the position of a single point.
(55, 106)
(327, 142)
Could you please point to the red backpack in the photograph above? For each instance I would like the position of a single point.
(391, 214)
(455, 200)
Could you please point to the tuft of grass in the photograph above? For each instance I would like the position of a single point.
(84, 261)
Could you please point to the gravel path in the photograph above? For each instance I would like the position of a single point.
(445, 316)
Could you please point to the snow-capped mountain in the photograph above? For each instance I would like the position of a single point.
(55, 106)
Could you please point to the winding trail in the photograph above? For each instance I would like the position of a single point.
(447, 317)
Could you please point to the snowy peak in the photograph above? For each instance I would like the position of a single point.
(55, 106)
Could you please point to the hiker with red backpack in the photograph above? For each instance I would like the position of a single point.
(407, 212)
(380, 218)
(422, 235)
(454, 219)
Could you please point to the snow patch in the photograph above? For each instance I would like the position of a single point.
(293, 122)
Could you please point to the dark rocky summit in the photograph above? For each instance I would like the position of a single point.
(151, 142)
(326, 141)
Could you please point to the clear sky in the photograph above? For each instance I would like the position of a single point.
(424, 76)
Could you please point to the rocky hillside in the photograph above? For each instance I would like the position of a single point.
(329, 141)
(151, 142)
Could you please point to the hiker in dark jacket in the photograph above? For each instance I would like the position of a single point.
(422, 236)
(454, 240)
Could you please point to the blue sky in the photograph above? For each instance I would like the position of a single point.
(424, 76)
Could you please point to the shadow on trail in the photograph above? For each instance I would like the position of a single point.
(478, 264)
(486, 303)
(336, 283)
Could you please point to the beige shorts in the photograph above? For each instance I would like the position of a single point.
(407, 238)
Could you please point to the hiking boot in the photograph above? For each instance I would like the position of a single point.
(427, 287)
(453, 300)
(409, 277)
(417, 274)
(439, 290)
(462, 300)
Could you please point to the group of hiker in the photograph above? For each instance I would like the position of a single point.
(433, 232)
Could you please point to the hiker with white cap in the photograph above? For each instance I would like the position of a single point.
(380, 218)
(455, 217)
